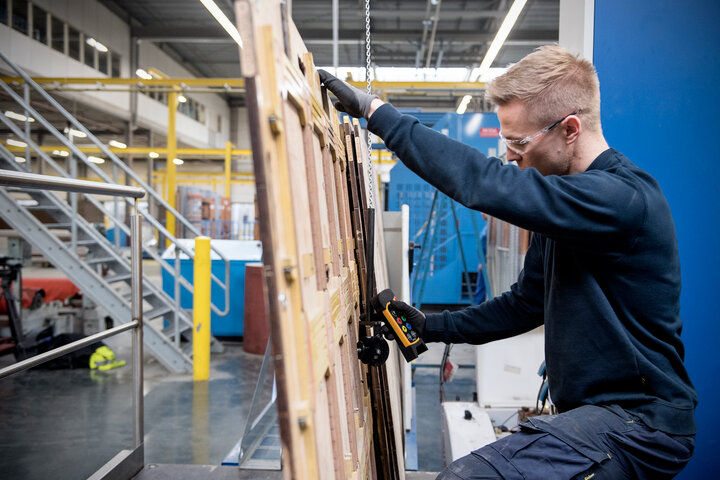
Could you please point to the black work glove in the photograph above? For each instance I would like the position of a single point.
(351, 100)
(410, 314)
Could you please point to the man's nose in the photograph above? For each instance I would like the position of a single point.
(512, 156)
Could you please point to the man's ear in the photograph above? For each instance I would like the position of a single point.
(573, 127)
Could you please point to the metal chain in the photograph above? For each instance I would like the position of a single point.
(371, 169)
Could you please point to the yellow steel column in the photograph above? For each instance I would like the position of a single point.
(201, 309)
(228, 151)
(171, 152)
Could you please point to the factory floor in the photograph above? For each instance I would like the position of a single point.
(68, 423)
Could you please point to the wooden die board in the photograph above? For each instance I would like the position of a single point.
(335, 414)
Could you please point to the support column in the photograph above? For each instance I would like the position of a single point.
(577, 20)
(228, 167)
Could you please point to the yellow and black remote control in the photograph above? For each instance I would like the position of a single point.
(410, 343)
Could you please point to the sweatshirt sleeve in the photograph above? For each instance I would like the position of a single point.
(512, 313)
(595, 210)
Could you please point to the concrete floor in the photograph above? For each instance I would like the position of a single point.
(68, 423)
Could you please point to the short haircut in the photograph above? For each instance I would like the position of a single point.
(551, 82)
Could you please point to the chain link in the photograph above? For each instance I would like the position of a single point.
(371, 169)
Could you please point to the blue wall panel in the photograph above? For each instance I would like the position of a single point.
(443, 282)
(660, 79)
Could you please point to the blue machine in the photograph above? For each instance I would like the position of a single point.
(240, 252)
(445, 273)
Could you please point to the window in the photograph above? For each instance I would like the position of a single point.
(73, 43)
(57, 32)
(114, 64)
(20, 16)
(103, 62)
(219, 123)
(89, 52)
(4, 12)
(39, 23)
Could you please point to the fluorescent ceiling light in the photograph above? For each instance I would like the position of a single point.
(98, 46)
(178, 161)
(74, 133)
(223, 20)
(116, 144)
(18, 116)
(20, 159)
(143, 74)
(153, 155)
(95, 159)
(16, 143)
(62, 153)
(501, 36)
(464, 104)
(182, 98)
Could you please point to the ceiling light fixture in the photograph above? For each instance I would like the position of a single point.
(143, 74)
(16, 143)
(18, 116)
(178, 161)
(182, 98)
(464, 104)
(20, 159)
(153, 155)
(500, 37)
(223, 20)
(116, 144)
(75, 133)
(97, 45)
(62, 153)
(95, 159)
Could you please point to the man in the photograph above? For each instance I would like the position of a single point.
(602, 274)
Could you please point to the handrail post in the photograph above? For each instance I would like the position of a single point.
(73, 201)
(171, 149)
(201, 309)
(137, 315)
(228, 167)
(26, 95)
(176, 281)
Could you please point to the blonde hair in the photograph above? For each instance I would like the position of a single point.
(551, 82)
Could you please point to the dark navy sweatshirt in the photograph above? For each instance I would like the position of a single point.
(602, 273)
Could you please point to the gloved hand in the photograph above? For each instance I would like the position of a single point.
(410, 314)
(351, 100)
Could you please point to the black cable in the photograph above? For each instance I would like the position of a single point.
(446, 355)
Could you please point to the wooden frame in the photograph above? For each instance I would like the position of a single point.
(338, 418)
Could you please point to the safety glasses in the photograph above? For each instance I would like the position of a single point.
(520, 146)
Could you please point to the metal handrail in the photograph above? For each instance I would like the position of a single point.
(116, 161)
(64, 349)
(35, 181)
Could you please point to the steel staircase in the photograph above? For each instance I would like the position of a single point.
(99, 267)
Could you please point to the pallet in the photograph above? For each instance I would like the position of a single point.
(338, 418)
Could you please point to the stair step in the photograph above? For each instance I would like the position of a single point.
(145, 294)
(51, 226)
(95, 260)
(157, 312)
(82, 243)
(118, 278)
(42, 207)
(169, 331)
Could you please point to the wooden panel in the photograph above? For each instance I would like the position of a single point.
(337, 416)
